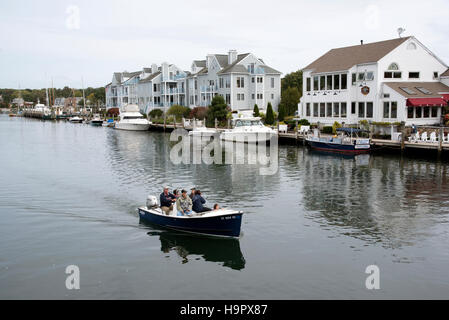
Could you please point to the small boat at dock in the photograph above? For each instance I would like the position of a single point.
(96, 121)
(222, 222)
(131, 119)
(76, 119)
(248, 129)
(344, 143)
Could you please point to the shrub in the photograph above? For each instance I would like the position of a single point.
(270, 114)
(156, 113)
(304, 122)
(328, 129)
(217, 110)
(256, 111)
(178, 111)
(335, 126)
(198, 113)
(281, 115)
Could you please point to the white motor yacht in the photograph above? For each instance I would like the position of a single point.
(131, 119)
(249, 129)
(76, 119)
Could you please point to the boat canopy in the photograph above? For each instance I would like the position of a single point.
(351, 130)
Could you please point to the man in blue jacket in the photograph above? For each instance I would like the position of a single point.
(167, 199)
(198, 202)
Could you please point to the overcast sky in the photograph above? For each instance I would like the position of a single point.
(70, 40)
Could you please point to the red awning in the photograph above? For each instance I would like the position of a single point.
(426, 102)
(446, 96)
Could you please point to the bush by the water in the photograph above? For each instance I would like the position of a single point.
(327, 129)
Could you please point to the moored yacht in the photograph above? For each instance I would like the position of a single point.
(249, 129)
(130, 118)
(96, 121)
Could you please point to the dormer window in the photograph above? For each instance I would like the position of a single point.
(393, 66)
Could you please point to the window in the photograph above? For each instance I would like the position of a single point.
(221, 82)
(386, 95)
(361, 109)
(393, 66)
(343, 109)
(413, 75)
(410, 112)
(240, 82)
(344, 81)
(370, 76)
(315, 83)
(434, 112)
(322, 109)
(386, 109)
(418, 112)
(315, 109)
(329, 83)
(322, 83)
(242, 97)
(307, 109)
(252, 96)
(411, 46)
(394, 110)
(272, 83)
(407, 90)
(272, 96)
(238, 96)
(329, 109)
(424, 90)
(388, 75)
(353, 107)
(426, 112)
(259, 80)
(252, 79)
(435, 75)
(361, 76)
(369, 109)
(308, 84)
(336, 82)
(397, 75)
(228, 98)
(336, 109)
(354, 79)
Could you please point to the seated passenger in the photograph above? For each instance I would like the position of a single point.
(176, 193)
(216, 207)
(184, 204)
(198, 202)
(166, 200)
(192, 193)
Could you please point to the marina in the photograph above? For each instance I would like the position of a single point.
(380, 208)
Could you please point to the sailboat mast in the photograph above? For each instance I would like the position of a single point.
(84, 97)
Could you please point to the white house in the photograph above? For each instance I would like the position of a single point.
(389, 81)
(243, 80)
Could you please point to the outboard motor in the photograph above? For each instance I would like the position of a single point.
(152, 202)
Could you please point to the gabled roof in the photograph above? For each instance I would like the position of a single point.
(445, 73)
(344, 58)
(202, 71)
(222, 59)
(269, 70)
(147, 70)
(435, 88)
(131, 74)
(150, 77)
(200, 63)
(235, 67)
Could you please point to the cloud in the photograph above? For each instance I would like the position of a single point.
(92, 39)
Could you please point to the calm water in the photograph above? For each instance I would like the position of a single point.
(69, 193)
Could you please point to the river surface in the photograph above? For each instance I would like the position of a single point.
(69, 193)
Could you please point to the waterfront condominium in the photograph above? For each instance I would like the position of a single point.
(389, 81)
(243, 80)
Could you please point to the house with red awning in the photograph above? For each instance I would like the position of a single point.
(387, 81)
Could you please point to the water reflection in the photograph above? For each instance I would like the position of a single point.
(391, 202)
(224, 251)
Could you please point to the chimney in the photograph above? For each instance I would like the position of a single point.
(153, 68)
(361, 42)
(232, 56)
(209, 60)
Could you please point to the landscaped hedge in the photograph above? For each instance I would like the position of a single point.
(327, 129)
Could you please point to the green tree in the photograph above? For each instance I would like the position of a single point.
(281, 114)
(156, 113)
(290, 99)
(217, 110)
(178, 111)
(256, 111)
(292, 80)
(269, 119)
(66, 92)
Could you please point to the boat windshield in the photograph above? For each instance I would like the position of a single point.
(247, 123)
(132, 117)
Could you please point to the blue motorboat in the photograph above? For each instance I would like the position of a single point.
(222, 222)
(345, 142)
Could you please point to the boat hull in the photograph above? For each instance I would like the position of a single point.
(339, 148)
(96, 123)
(132, 126)
(224, 225)
(246, 136)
